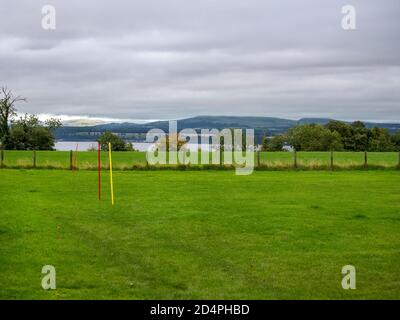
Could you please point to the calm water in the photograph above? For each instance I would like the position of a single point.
(85, 145)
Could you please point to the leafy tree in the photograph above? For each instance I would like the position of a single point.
(345, 131)
(361, 136)
(53, 124)
(331, 141)
(312, 137)
(396, 140)
(354, 137)
(28, 133)
(360, 140)
(275, 143)
(129, 147)
(358, 124)
(117, 144)
(265, 144)
(7, 113)
(381, 140)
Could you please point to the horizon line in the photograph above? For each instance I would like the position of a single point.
(88, 120)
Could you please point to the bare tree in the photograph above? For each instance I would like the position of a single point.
(7, 112)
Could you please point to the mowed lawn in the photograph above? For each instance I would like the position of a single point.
(200, 234)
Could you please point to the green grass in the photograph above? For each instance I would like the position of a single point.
(128, 160)
(200, 235)
(61, 159)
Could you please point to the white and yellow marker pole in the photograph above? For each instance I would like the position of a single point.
(111, 176)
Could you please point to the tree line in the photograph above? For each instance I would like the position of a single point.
(26, 132)
(29, 133)
(334, 136)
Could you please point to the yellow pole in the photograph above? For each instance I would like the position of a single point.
(111, 176)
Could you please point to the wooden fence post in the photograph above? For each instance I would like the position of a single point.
(2, 159)
(70, 161)
(331, 160)
(34, 158)
(258, 158)
(220, 156)
(295, 159)
(365, 159)
(398, 161)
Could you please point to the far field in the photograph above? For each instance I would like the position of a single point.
(200, 234)
(127, 160)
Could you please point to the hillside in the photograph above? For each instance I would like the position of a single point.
(137, 132)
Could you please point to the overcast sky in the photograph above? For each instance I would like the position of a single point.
(169, 59)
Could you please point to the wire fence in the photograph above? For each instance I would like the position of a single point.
(71, 160)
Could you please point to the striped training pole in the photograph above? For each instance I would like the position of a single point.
(99, 170)
(111, 176)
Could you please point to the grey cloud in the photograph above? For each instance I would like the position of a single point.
(169, 59)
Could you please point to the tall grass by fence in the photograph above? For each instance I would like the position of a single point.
(262, 160)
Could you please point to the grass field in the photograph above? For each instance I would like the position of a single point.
(200, 234)
(126, 160)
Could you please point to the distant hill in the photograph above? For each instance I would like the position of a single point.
(320, 121)
(392, 127)
(137, 132)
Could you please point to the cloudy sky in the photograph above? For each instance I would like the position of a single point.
(167, 59)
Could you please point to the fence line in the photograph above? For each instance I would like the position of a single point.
(262, 160)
